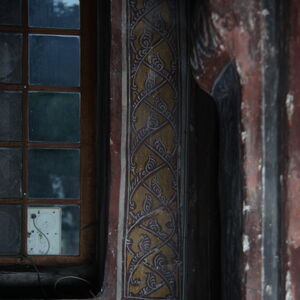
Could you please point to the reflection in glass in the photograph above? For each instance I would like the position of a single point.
(10, 116)
(10, 172)
(10, 57)
(10, 12)
(54, 60)
(54, 117)
(54, 13)
(54, 173)
(53, 230)
(10, 233)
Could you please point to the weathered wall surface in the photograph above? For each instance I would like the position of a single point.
(292, 175)
(230, 31)
(144, 254)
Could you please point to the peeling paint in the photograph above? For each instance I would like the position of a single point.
(290, 107)
(265, 12)
(269, 290)
(246, 243)
(247, 267)
(244, 136)
(246, 208)
(288, 286)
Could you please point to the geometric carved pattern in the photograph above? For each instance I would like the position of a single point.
(152, 247)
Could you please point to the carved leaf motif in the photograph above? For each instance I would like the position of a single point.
(152, 122)
(146, 39)
(135, 282)
(132, 205)
(156, 62)
(150, 81)
(154, 226)
(151, 281)
(145, 243)
(150, 163)
(170, 225)
(161, 104)
(159, 146)
(155, 186)
(161, 264)
(147, 205)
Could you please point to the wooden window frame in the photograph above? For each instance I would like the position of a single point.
(44, 271)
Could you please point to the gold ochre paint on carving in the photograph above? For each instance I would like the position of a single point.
(152, 252)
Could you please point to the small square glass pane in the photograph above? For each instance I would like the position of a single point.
(10, 116)
(54, 14)
(11, 12)
(54, 60)
(10, 57)
(10, 173)
(53, 230)
(54, 173)
(10, 233)
(54, 117)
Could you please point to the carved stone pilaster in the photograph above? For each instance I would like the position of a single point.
(152, 239)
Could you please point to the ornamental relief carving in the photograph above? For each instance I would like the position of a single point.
(152, 251)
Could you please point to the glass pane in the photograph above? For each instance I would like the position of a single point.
(10, 172)
(10, 12)
(10, 116)
(10, 58)
(54, 117)
(54, 173)
(53, 230)
(10, 233)
(54, 60)
(54, 13)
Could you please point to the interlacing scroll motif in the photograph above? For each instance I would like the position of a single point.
(152, 251)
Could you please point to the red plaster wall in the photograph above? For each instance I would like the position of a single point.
(292, 284)
(110, 277)
(237, 25)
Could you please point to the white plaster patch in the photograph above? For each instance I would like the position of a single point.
(247, 267)
(290, 107)
(288, 286)
(244, 136)
(246, 243)
(246, 208)
(265, 12)
(239, 69)
(215, 18)
(269, 290)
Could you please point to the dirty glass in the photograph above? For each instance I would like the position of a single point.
(54, 173)
(10, 233)
(54, 14)
(10, 116)
(53, 230)
(10, 12)
(10, 57)
(54, 60)
(54, 117)
(10, 172)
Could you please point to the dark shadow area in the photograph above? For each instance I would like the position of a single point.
(204, 242)
(227, 93)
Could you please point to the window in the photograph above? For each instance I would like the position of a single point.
(48, 214)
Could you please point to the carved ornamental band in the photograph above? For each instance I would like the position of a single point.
(152, 246)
